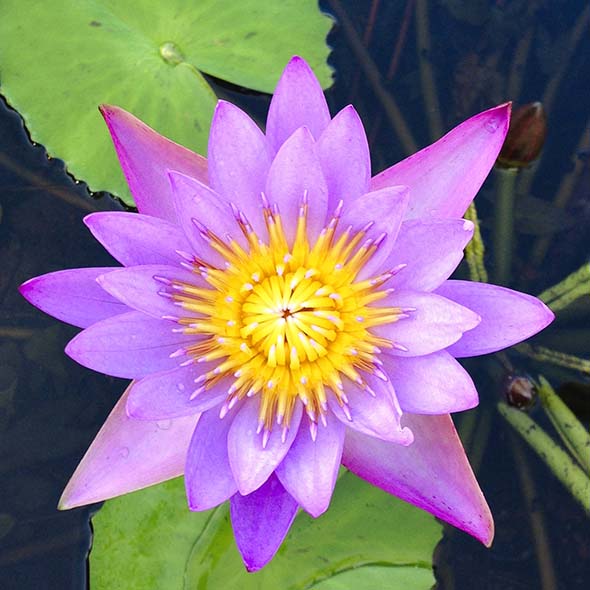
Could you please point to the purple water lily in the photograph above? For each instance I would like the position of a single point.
(282, 313)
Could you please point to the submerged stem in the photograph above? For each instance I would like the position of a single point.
(575, 437)
(555, 357)
(423, 48)
(504, 223)
(558, 460)
(537, 520)
(574, 286)
(475, 250)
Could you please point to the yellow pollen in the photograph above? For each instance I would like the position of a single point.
(287, 323)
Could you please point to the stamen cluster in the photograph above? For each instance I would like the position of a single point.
(286, 322)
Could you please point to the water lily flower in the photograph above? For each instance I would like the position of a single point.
(281, 313)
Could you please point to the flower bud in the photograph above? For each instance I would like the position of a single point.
(520, 391)
(525, 138)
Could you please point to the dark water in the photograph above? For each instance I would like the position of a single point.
(50, 408)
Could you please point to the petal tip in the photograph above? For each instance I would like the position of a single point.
(92, 219)
(316, 512)
(25, 288)
(222, 107)
(70, 348)
(65, 502)
(548, 314)
(497, 118)
(253, 567)
(105, 109)
(68, 499)
(297, 62)
(110, 112)
(486, 532)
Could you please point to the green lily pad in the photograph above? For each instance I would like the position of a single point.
(149, 539)
(378, 576)
(59, 60)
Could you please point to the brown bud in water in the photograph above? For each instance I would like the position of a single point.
(525, 138)
(520, 391)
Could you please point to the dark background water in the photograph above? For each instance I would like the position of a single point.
(50, 408)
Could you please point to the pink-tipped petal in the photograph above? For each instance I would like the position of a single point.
(507, 317)
(137, 287)
(73, 296)
(196, 201)
(168, 394)
(444, 177)
(145, 156)
(385, 209)
(298, 101)
(433, 473)
(296, 172)
(251, 462)
(128, 455)
(431, 249)
(431, 384)
(239, 160)
(130, 345)
(345, 157)
(134, 239)
(261, 521)
(376, 413)
(310, 468)
(432, 323)
(208, 477)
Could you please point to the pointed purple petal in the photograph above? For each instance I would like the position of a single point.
(310, 468)
(167, 395)
(375, 414)
(145, 157)
(261, 520)
(345, 157)
(431, 384)
(385, 209)
(137, 287)
(508, 317)
(296, 172)
(433, 322)
(444, 177)
(73, 296)
(208, 477)
(195, 201)
(130, 345)
(128, 455)
(251, 463)
(432, 249)
(135, 239)
(433, 473)
(239, 159)
(298, 101)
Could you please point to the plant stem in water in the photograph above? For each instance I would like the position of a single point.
(504, 223)
(557, 459)
(475, 250)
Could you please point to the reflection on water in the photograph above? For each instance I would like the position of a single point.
(397, 61)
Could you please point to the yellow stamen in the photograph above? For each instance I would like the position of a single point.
(286, 323)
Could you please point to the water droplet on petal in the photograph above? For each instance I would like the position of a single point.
(164, 424)
(180, 387)
(492, 126)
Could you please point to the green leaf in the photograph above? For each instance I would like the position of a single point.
(59, 60)
(379, 576)
(149, 539)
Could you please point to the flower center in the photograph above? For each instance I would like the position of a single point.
(287, 323)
